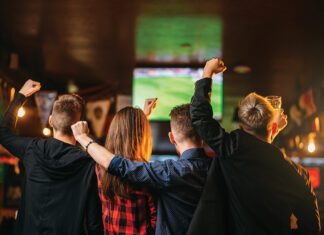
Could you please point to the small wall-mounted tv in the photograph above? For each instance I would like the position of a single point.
(172, 87)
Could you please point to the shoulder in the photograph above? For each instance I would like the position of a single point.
(298, 168)
(247, 141)
(192, 165)
(36, 144)
(168, 167)
(56, 149)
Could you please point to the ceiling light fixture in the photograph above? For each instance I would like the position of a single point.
(242, 69)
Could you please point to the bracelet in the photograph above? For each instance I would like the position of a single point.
(87, 146)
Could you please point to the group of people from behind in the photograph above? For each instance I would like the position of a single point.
(248, 187)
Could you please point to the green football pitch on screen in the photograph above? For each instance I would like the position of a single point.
(172, 87)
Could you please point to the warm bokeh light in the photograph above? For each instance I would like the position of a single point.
(47, 131)
(311, 147)
(301, 145)
(21, 112)
(12, 94)
(316, 124)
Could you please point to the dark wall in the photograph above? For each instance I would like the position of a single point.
(94, 41)
(88, 41)
(280, 40)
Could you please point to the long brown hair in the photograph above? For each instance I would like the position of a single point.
(129, 136)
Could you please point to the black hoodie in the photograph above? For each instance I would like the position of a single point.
(60, 186)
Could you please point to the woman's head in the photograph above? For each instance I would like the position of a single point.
(256, 115)
(129, 136)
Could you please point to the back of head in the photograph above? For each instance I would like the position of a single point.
(67, 110)
(181, 126)
(129, 136)
(256, 114)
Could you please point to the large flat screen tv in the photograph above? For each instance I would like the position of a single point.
(172, 87)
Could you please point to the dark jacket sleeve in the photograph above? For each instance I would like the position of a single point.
(14, 144)
(208, 129)
(306, 207)
(157, 175)
(307, 211)
(94, 210)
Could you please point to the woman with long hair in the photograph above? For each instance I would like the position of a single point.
(127, 209)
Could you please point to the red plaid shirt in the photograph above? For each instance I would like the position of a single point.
(134, 215)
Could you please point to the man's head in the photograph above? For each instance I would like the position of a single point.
(67, 110)
(182, 131)
(256, 115)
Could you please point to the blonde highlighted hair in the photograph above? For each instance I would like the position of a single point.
(256, 114)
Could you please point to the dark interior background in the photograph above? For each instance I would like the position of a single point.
(95, 41)
(100, 42)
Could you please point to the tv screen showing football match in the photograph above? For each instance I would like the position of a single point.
(172, 87)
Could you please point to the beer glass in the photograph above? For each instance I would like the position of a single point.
(275, 102)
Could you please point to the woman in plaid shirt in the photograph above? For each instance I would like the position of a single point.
(127, 209)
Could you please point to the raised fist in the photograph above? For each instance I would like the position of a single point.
(30, 87)
(149, 105)
(213, 66)
(79, 129)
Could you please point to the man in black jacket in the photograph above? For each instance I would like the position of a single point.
(60, 187)
(252, 188)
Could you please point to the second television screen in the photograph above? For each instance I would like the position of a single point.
(172, 87)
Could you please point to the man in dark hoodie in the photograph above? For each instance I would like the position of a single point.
(60, 187)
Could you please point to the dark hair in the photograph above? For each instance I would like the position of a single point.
(181, 124)
(129, 136)
(67, 110)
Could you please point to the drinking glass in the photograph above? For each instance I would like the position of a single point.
(275, 102)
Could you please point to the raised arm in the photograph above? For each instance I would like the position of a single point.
(14, 144)
(149, 105)
(154, 175)
(201, 112)
(100, 154)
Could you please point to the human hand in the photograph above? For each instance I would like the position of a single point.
(280, 122)
(149, 105)
(213, 66)
(30, 87)
(80, 129)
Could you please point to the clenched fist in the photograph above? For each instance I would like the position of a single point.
(30, 87)
(80, 129)
(149, 105)
(213, 66)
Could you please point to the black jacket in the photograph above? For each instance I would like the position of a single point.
(60, 187)
(252, 188)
